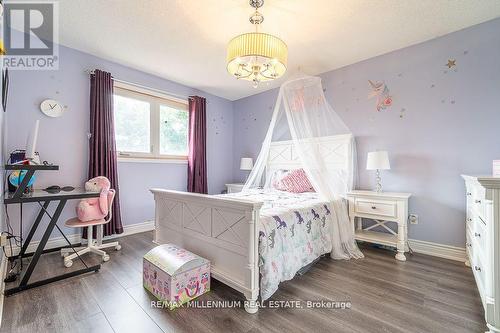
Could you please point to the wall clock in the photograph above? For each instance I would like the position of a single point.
(52, 108)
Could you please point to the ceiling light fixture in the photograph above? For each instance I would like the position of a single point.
(256, 56)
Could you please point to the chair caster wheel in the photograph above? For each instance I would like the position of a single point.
(118, 247)
(105, 257)
(68, 263)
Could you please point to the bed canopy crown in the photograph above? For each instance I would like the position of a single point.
(320, 142)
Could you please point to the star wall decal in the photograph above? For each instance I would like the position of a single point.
(451, 63)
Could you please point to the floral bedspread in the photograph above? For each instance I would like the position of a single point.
(294, 231)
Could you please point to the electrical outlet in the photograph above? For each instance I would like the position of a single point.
(413, 218)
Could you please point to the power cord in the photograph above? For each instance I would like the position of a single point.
(12, 274)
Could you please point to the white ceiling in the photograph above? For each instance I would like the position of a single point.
(185, 40)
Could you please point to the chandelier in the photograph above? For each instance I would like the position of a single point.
(256, 56)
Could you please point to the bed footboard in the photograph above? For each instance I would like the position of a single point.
(223, 230)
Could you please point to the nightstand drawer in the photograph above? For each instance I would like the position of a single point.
(379, 208)
(234, 188)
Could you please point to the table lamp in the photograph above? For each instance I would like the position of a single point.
(378, 160)
(246, 164)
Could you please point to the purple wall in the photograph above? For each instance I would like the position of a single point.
(443, 122)
(63, 141)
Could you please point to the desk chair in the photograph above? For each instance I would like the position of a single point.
(92, 246)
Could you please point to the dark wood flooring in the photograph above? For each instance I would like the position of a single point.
(423, 294)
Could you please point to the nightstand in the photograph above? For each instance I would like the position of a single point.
(233, 188)
(381, 207)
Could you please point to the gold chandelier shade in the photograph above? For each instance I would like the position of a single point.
(257, 57)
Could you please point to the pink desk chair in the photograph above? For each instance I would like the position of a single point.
(92, 246)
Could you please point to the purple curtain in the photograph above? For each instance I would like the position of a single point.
(102, 154)
(197, 158)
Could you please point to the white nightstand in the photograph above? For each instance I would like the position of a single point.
(233, 188)
(381, 207)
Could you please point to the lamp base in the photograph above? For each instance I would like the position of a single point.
(378, 187)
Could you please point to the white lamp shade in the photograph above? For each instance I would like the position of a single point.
(246, 163)
(378, 160)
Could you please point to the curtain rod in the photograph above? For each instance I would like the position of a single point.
(91, 71)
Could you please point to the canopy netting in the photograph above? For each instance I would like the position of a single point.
(310, 119)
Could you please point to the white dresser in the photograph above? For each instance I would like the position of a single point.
(483, 242)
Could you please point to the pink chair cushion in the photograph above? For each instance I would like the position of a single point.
(76, 223)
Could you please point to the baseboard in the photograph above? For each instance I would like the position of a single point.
(438, 250)
(77, 238)
(136, 228)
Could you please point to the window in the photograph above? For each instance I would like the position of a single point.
(149, 125)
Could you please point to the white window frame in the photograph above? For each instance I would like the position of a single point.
(155, 99)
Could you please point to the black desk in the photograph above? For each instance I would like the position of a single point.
(44, 199)
(41, 195)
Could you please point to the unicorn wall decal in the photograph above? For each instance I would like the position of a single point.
(381, 92)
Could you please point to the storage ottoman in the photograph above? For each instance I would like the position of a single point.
(175, 275)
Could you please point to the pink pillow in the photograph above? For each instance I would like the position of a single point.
(294, 181)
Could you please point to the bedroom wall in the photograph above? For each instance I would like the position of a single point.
(443, 122)
(63, 141)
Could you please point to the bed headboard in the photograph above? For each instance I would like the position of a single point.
(336, 151)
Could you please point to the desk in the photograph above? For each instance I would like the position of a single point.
(44, 199)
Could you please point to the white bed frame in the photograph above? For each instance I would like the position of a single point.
(224, 230)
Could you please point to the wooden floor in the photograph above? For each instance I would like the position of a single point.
(423, 294)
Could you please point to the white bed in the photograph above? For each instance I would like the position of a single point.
(294, 230)
(225, 229)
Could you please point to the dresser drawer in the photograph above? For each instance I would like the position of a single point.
(469, 248)
(479, 273)
(375, 207)
(479, 235)
(469, 223)
(479, 208)
(476, 201)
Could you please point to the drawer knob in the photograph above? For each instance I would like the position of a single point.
(477, 268)
(468, 244)
(469, 220)
(477, 201)
(468, 193)
(374, 207)
(477, 234)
